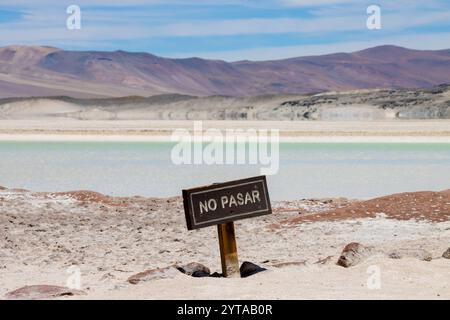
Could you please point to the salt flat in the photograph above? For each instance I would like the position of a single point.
(161, 130)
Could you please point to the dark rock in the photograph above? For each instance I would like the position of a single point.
(353, 254)
(216, 275)
(248, 269)
(153, 274)
(446, 254)
(200, 274)
(194, 268)
(42, 292)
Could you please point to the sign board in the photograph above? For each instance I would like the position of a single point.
(225, 202)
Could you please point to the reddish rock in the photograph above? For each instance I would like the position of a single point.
(154, 274)
(353, 254)
(274, 226)
(42, 292)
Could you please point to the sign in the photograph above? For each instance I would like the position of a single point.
(222, 203)
(225, 202)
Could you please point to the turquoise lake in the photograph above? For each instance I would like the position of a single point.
(355, 170)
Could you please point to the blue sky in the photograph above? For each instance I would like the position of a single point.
(227, 29)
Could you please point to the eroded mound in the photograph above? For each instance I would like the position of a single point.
(92, 197)
(425, 205)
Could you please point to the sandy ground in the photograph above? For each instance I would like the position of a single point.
(110, 239)
(49, 129)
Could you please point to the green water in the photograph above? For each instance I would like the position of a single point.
(306, 170)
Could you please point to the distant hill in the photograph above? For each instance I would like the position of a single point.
(364, 105)
(45, 71)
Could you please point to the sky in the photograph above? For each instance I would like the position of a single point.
(226, 29)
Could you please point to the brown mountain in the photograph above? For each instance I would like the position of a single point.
(43, 71)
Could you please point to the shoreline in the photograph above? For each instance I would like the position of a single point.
(426, 131)
(167, 138)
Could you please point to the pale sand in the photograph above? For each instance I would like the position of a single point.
(407, 278)
(59, 129)
(111, 239)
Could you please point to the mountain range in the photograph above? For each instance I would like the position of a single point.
(47, 71)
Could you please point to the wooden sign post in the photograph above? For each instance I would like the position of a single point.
(228, 250)
(222, 203)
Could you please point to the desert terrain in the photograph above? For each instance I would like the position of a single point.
(117, 243)
(139, 248)
(355, 105)
(416, 115)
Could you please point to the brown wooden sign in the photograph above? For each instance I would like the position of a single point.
(225, 202)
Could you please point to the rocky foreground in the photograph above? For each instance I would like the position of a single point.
(127, 248)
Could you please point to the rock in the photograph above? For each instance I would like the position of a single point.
(42, 292)
(200, 274)
(446, 254)
(153, 274)
(394, 255)
(108, 276)
(420, 254)
(353, 254)
(290, 264)
(248, 269)
(194, 269)
(216, 275)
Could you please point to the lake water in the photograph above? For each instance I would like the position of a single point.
(354, 170)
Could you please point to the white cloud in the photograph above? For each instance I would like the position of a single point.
(314, 3)
(259, 26)
(46, 25)
(88, 3)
